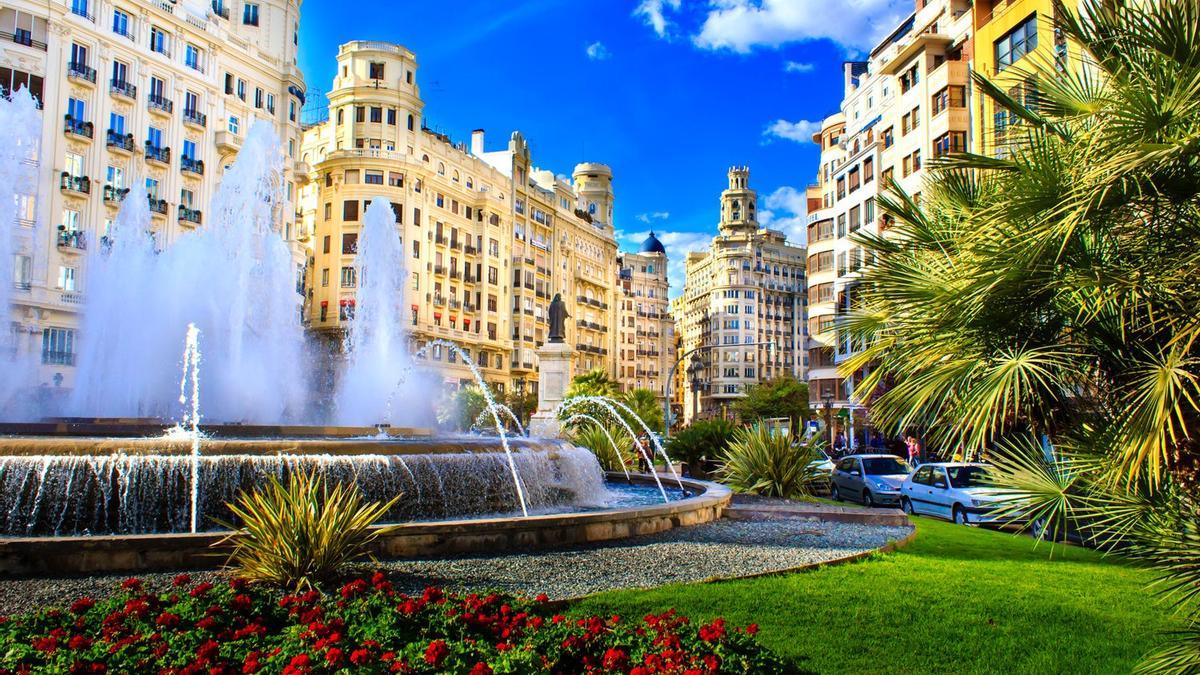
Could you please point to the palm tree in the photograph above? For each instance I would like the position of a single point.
(596, 382)
(1043, 306)
(645, 404)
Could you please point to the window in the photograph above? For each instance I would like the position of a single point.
(376, 114)
(410, 122)
(868, 167)
(229, 83)
(395, 179)
(234, 124)
(373, 177)
(359, 114)
(909, 79)
(189, 150)
(391, 116)
(191, 103)
(416, 248)
(58, 346)
(885, 176)
(250, 14)
(889, 137)
(258, 97)
(191, 57)
(953, 96)
(376, 71)
(66, 278)
(869, 211)
(349, 277)
(76, 110)
(79, 56)
(158, 40)
(350, 210)
(121, 23)
(1016, 43)
(349, 243)
(953, 141)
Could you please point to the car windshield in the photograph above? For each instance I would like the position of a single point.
(884, 466)
(968, 476)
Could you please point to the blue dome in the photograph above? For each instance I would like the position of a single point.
(653, 245)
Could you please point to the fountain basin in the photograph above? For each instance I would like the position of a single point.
(164, 552)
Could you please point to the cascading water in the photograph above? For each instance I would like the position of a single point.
(607, 406)
(22, 123)
(131, 493)
(580, 417)
(376, 343)
(234, 278)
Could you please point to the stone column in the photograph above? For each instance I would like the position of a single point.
(554, 376)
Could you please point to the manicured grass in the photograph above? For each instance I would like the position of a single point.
(956, 600)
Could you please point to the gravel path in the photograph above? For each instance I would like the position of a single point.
(725, 548)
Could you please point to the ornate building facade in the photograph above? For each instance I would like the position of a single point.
(155, 92)
(490, 237)
(742, 308)
(646, 331)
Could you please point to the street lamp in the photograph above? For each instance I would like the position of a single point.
(769, 344)
(828, 399)
(694, 370)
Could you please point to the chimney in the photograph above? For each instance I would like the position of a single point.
(477, 142)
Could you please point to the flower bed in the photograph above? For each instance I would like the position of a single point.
(365, 627)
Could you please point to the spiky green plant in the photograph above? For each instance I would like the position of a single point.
(596, 439)
(1043, 305)
(303, 533)
(772, 464)
(701, 444)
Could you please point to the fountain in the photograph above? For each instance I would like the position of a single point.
(74, 489)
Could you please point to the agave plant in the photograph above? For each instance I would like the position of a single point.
(303, 533)
(1041, 306)
(601, 440)
(772, 464)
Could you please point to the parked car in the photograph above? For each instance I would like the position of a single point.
(958, 491)
(873, 480)
(823, 463)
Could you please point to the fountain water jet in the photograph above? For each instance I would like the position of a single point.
(581, 417)
(609, 403)
(569, 403)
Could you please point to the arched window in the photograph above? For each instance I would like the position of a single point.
(441, 169)
(410, 122)
(470, 183)
(592, 208)
(424, 158)
(341, 116)
(454, 177)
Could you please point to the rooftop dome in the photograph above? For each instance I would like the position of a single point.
(653, 245)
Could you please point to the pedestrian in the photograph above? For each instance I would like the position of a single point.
(913, 447)
(642, 454)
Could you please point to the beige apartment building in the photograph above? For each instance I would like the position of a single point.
(160, 93)
(906, 103)
(490, 237)
(742, 308)
(646, 331)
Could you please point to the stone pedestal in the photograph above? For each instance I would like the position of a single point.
(554, 376)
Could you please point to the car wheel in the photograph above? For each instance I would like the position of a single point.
(834, 494)
(868, 500)
(960, 516)
(907, 506)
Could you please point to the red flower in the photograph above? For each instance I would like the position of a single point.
(639, 670)
(542, 597)
(615, 659)
(167, 620)
(378, 578)
(712, 662)
(238, 584)
(436, 652)
(481, 668)
(207, 623)
(752, 629)
(207, 650)
(714, 631)
(241, 602)
(333, 656)
(387, 656)
(78, 642)
(48, 644)
(181, 580)
(132, 584)
(200, 589)
(82, 605)
(360, 657)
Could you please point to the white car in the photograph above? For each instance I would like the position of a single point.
(957, 491)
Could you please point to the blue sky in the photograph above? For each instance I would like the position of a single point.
(670, 93)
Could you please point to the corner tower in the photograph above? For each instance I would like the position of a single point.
(739, 204)
(593, 184)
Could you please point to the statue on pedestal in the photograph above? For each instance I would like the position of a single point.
(558, 319)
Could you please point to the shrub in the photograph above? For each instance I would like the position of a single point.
(772, 465)
(594, 438)
(367, 627)
(701, 444)
(303, 533)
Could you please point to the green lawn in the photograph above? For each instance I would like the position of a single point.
(955, 600)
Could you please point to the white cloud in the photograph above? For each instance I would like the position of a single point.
(787, 211)
(657, 215)
(653, 13)
(597, 51)
(797, 67)
(678, 245)
(743, 25)
(800, 131)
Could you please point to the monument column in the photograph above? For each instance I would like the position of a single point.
(554, 374)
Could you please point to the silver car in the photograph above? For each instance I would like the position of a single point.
(873, 480)
(957, 491)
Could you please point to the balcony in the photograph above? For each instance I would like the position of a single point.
(80, 9)
(117, 141)
(157, 154)
(71, 240)
(78, 184)
(158, 206)
(439, 269)
(187, 215)
(160, 104)
(123, 88)
(78, 128)
(81, 72)
(24, 37)
(439, 239)
(470, 250)
(114, 195)
(191, 165)
(195, 118)
(219, 9)
(227, 141)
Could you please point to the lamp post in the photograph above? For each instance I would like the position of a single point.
(694, 369)
(671, 374)
(828, 399)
